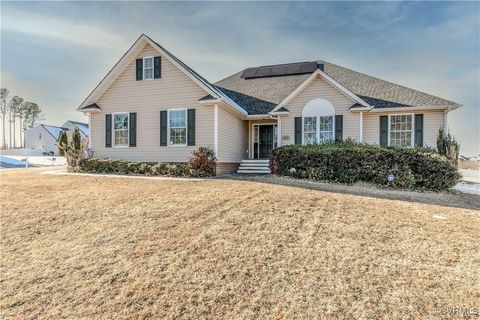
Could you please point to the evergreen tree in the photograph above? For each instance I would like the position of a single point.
(62, 141)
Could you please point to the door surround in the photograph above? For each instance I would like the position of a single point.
(257, 133)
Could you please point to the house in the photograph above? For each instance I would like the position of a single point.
(72, 125)
(43, 137)
(153, 107)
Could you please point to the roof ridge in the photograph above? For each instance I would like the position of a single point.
(49, 125)
(388, 81)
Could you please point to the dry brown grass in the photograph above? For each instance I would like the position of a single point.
(82, 247)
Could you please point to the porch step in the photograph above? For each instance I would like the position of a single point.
(254, 167)
(256, 161)
(254, 171)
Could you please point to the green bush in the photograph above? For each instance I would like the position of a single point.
(349, 162)
(205, 166)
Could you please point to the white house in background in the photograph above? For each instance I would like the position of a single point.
(72, 125)
(43, 137)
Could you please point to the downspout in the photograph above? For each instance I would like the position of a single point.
(89, 130)
(445, 120)
(361, 126)
(215, 129)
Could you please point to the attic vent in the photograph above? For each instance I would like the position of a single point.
(281, 70)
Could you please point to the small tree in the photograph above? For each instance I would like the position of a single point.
(4, 94)
(62, 141)
(447, 146)
(32, 114)
(14, 106)
(74, 150)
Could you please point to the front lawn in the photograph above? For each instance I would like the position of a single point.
(86, 247)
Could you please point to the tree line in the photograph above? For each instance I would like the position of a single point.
(16, 108)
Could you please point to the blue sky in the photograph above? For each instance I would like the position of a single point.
(55, 53)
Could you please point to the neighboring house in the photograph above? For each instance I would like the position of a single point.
(43, 137)
(72, 125)
(152, 107)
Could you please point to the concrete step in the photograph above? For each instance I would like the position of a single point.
(254, 164)
(254, 171)
(254, 168)
(255, 161)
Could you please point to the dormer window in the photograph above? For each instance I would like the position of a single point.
(148, 68)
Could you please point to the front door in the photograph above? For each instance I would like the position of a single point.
(266, 141)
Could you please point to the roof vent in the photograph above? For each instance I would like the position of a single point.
(281, 70)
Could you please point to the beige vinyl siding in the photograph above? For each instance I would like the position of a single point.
(232, 136)
(319, 88)
(432, 121)
(148, 97)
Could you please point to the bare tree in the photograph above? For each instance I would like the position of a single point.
(4, 93)
(14, 106)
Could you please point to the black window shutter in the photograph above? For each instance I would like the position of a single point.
(139, 69)
(339, 127)
(163, 128)
(383, 130)
(191, 127)
(157, 67)
(419, 130)
(298, 130)
(108, 130)
(132, 132)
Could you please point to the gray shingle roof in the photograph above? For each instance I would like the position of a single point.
(91, 106)
(257, 95)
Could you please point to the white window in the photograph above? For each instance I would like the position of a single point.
(309, 130)
(177, 127)
(148, 68)
(317, 129)
(325, 129)
(318, 124)
(120, 129)
(401, 130)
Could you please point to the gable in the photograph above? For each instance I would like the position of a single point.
(172, 85)
(319, 89)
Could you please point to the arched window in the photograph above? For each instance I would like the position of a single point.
(318, 121)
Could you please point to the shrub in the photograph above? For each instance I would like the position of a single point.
(62, 141)
(203, 160)
(448, 146)
(349, 162)
(202, 165)
(73, 150)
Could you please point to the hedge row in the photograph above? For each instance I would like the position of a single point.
(349, 162)
(112, 166)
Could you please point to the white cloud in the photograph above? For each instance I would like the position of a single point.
(84, 33)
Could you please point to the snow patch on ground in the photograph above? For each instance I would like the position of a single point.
(470, 188)
(35, 160)
(470, 175)
(11, 160)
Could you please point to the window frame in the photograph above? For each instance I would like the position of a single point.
(317, 122)
(168, 128)
(412, 115)
(144, 68)
(114, 145)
